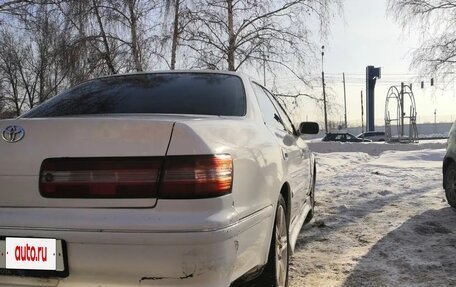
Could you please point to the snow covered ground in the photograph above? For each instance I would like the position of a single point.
(374, 148)
(381, 219)
(428, 130)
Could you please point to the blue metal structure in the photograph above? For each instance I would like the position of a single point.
(372, 74)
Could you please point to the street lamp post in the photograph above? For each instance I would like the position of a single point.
(324, 88)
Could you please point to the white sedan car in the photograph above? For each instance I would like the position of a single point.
(155, 179)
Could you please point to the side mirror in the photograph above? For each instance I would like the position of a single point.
(309, 128)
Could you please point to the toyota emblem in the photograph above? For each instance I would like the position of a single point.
(12, 134)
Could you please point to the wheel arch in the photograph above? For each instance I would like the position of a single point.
(285, 191)
(446, 162)
(314, 170)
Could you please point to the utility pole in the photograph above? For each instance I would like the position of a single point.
(324, 90)
(362, 113)
(435, 121)
(345, 101)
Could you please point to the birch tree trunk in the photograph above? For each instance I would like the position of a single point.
(107, 52)
(175, 34)
(134, 36)
(231, 36)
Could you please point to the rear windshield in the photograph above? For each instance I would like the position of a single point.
(173, 93)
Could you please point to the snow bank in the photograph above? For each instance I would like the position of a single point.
(427, 158)
(373, 148)
(332, 163)
(379, 220)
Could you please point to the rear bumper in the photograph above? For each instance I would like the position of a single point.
(209, 256)
(143, 265)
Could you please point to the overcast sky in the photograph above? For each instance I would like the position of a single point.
(366, 35)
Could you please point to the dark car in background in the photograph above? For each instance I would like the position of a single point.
(449, 168)
(373, 136)
(342, 137)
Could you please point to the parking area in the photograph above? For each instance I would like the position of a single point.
(381, 220)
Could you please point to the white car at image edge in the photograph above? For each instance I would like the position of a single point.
(449, 168)
(154, 179)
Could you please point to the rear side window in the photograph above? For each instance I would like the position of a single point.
(340, 137)
(173, 93)
(270, 115)
(285, 119)
(330, 136)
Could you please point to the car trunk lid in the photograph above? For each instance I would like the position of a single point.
(69, 138)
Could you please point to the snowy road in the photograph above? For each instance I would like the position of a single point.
(381, 220)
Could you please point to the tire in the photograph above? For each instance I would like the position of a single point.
(449, 182)
(275, 272)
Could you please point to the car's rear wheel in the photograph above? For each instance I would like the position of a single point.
(275, 273)
(449, 182)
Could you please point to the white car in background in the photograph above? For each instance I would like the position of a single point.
(154, 179)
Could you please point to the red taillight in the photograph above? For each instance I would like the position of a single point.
(100, 177)
(183, 177)
(200, 176)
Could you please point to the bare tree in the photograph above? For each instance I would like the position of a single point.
(177, 13)
(135, 47)
(46, 37)
(107, 55)
(53, 44)
(31, 68)
(119, 32)
(436, 20)
(2, 104)
(173, 6)
(228, 34)
(176, 32)
(132, 27)
(12, 61)
(70, 41)
(13, 5)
